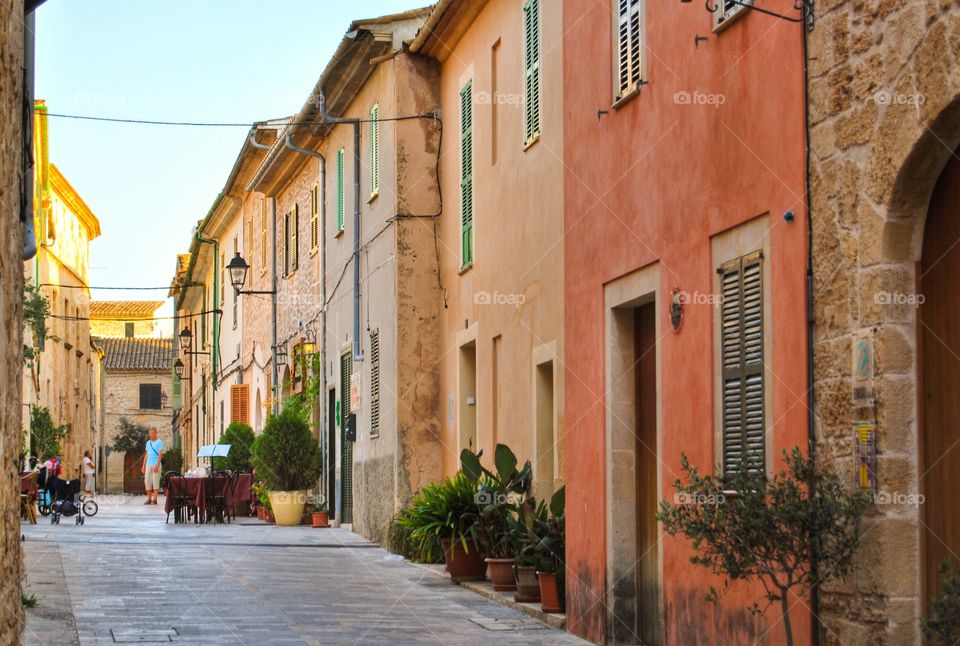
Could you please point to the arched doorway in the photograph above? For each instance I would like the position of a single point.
(939, 375)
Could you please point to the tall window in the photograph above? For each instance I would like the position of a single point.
(264, 207)
(466, 174)
(150, 398)
(375, 382)
(291, 221)
(314, 217)
(531, 63)
(374, 150)
(741, 358)
(628, 46)
(340, 190)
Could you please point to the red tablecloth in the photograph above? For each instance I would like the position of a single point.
(197, 489)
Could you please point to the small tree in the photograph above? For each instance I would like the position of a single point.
(286, 455)
(172, 459)
(131, 438)
(943, 622)
(36, 308)
(45, 436)
(768, 531)
(240, 437)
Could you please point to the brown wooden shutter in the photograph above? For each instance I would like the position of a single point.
(315, 217)
(268, 402)
(294, 237)
(240, 403)
(741, 341)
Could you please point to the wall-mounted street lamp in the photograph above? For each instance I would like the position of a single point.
(185, 337)
(280, 356)
(178, 370)
(238, 268)
(309, 344)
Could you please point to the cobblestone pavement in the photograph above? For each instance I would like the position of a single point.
(127, 577)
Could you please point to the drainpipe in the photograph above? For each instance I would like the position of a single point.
(274, 388)
(323, 305)
(326, 118)
(811, 320)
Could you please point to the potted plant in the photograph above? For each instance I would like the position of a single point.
(549, 551)
(262, 496)
(446, 512)
(524, 538)
(318, 508)
(499, 494)
(286, 456)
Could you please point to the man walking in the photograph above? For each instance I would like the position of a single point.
(89, 469)
(151, 466)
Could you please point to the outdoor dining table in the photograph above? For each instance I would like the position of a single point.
(195, 490)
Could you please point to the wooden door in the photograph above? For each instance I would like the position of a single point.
(648, 566)
(132, 478)
(939, 337)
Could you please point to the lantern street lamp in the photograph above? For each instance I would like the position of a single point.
(178, 370)
(185, 338)
(238, 268)
(280, 356)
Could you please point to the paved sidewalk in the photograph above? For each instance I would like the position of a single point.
(130, 578)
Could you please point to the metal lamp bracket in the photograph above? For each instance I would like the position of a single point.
(805, 7)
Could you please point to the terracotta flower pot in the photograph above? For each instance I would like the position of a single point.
(501, 573)
(528, 587)
(321, 519)
(551, 594)
(268, 516)
(261, 512)
(463, 566)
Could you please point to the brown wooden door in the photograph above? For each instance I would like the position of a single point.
(648, 569)
(939, 336)
(132, 478)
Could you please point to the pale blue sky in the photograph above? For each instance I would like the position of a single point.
(178, 60)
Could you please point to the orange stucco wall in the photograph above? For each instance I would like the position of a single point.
(654, 181)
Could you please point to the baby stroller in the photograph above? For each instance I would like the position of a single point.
(66, 501)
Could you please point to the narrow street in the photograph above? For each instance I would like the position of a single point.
(131, 578)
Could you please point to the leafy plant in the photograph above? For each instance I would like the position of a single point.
(543, 544)
(45, 436)
(131, 438)
(399, 540)
(286, 455)
(240, 437)
(172, 459)
(28, 601)
(36, 308)
(943, 622)
(317, 503)
(768, 531)
(499, 495)
(445, 509)
(262, 494)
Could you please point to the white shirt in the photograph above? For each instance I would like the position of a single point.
(87, 466)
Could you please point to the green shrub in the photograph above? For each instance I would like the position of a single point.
(172, 459)
(240, 437)
(45, 436)
(131, 438)
(499, 496)
(445, 509)
(399, 540)
(286, 455)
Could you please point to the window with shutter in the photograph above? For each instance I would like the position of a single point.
(240, 403)
(374, 150)
(263, 234)
(727, 10)
(314, 217)
(531, 58)
(340, 190)
(742, 364)
(466, 174)
(375, 382)
(294, 237)
(268, 378)
(150, 397)
(285, 244)
(628, 52)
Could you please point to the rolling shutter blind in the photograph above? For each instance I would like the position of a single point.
(240, 403)
(340, 190)
(374, 149)
(628, 46)
(375, 382)
(294, 237)
(263, 234)
(531, 57)
(466, 174)
(314, 217)
(741, 341)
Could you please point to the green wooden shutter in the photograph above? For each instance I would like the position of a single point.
(346, 446)
(375, 382)
(374, 149)
(741, 341)
(466, 174)
(531, 57)
(340, 190)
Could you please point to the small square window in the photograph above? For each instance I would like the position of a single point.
(128, 330)
(150, 397)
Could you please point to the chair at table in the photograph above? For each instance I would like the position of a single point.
(176, 492)
(217, 486)
(28, 496)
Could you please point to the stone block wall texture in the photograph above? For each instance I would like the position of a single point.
(11, 313)
(883, 116)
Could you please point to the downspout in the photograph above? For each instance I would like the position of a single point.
(811, 320)
(323, 305)
(274, 389)
(326, 118)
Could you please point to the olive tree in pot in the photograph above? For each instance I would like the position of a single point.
(286, 456)
(499, 495)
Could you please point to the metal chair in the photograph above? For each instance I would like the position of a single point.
(217, 486)
(180, 500)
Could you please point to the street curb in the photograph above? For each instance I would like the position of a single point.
(485, 589)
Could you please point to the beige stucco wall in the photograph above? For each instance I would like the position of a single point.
(110, 328)
(256, 310)
(11, 312)
(121, 398)
(514, 289)
(883, 121)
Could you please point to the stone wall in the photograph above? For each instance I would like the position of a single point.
(883, 121)
(11, 332)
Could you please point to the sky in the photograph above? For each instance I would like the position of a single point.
(179, 60)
